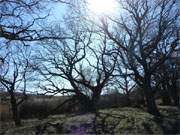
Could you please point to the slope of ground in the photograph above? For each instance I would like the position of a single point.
(108, 121)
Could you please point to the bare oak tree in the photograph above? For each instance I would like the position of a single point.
(69, 61)
(144, 28)
(21, 23)
(13, 78)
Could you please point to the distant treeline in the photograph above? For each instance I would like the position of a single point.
(37, 106)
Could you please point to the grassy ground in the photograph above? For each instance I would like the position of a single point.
(108, 121)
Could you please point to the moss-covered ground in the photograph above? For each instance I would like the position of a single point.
(108, 121)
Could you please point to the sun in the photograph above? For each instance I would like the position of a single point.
(100, 7)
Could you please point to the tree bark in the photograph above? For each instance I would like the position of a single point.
(175, 93)
(165, 95)
(15, 112)
(150, 100)
(95, 99)
(128, 99)
(88, 104)
(85, 103)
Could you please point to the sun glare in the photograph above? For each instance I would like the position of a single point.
(99, 7)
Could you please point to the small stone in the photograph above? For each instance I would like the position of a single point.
(51, 130)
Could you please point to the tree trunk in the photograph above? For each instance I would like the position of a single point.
(88, 104)
(150, 100)
(128, 99)
(95, 99)
(85, 103)
(165, 95)
(15, 112)
(175, 93)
